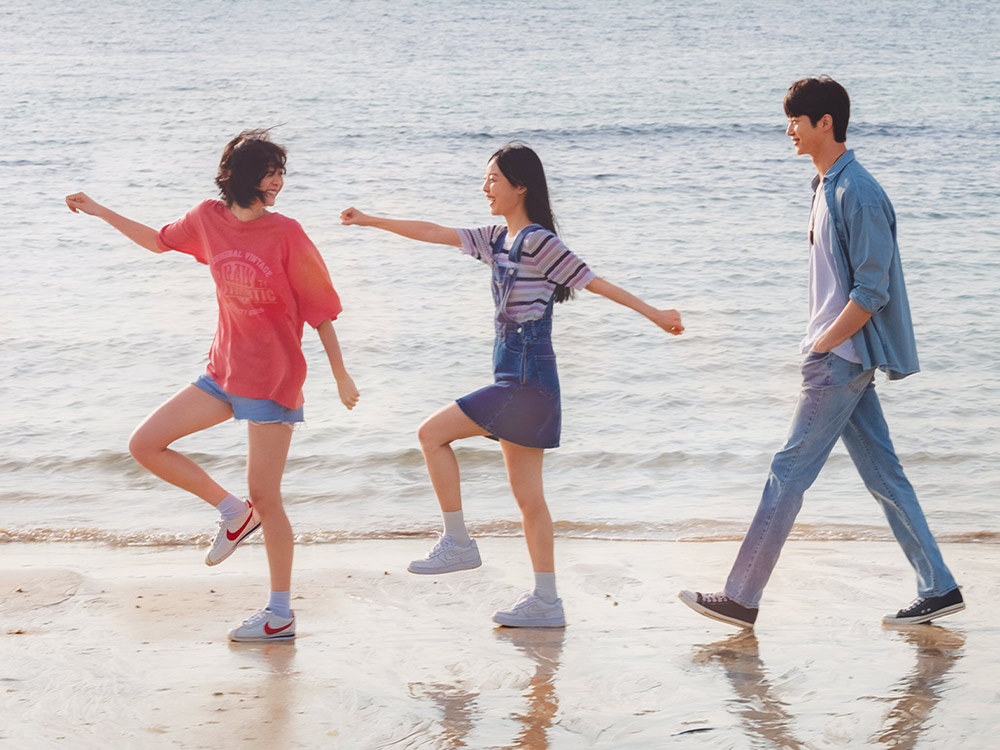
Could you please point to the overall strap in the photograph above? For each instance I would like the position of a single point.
(514, 257)
(515, 250)
(498, 242)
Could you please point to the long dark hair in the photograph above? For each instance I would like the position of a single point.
(522, 168)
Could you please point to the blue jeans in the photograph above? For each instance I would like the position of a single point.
(838, 400)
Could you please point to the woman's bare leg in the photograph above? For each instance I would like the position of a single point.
(436, 435)
(524, 470)
(266, 459)
(190, 410)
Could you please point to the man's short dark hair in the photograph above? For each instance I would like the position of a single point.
(245, 161)
(815, 97)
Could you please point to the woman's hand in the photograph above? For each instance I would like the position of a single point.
(668, 320)
(140, 234)
(349, 394)
(352, 216)
(81, 202)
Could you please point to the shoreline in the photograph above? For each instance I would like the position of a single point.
(111, 647)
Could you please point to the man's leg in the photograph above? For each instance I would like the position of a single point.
(831, 389)
(867, 439)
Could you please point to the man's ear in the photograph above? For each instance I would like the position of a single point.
(826, 122)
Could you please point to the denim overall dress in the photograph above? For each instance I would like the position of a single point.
(523, 405)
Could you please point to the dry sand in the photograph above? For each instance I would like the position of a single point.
(125, 647)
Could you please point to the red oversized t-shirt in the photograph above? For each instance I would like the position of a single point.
(269, 279)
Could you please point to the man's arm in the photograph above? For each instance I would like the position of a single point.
(851, 320)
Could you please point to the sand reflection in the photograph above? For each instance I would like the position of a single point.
(913, 698)
(273, 694)
(458, 702)
(543, 646)
(762, 713)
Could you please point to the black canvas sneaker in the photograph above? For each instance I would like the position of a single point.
(720, 607)
(922, 610)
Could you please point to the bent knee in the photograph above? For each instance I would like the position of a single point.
(429, 436)
(144, 447)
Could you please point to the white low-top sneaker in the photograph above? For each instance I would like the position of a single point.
(447, 557)
(231, 534)
(264, 625)
(532, 612)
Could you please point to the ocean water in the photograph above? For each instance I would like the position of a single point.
(662, 133)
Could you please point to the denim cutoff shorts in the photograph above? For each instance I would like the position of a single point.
(262, 410)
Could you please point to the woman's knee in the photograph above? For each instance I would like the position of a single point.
(531, 503)
(144, 445)
(430, 436)
(267, 504)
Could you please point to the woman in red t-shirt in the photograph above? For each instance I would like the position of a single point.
(270, 280)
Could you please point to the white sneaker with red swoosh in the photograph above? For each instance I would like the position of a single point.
(231, 535)
(264, 625)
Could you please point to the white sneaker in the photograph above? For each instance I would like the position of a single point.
(231, 534)
(447, 557)
(531, 612)
(264, 626)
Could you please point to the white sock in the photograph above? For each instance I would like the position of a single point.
(231, 507)
(545, 587)
(454, 527)
(280, 603)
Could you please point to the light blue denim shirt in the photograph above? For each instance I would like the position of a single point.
(864, 240)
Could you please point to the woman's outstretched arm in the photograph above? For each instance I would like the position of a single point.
(668, 320)
(140, 234)
(424, 231)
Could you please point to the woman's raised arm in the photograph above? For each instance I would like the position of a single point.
(668, 320)
(140, 234)
(423, 231)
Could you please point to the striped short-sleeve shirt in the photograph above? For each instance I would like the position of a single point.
(545, 263)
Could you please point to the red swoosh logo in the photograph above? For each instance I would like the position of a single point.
(233, 537)
(271, 631)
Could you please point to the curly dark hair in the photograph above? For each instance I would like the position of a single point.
(245, 161)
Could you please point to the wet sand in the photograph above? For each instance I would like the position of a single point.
(126, 647)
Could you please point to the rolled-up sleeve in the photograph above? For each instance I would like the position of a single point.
(870, 248)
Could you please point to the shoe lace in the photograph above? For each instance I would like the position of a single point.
(443, 543)
(717, 598)
(526, 599)
(256, 617)
(914, 604)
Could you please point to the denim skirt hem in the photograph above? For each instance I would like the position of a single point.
(519, 414)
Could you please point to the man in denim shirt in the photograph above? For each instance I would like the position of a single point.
(859, 321)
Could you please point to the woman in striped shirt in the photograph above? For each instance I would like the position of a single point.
(531, 270)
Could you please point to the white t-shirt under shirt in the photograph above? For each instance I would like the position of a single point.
(545, 263)
(827, 297)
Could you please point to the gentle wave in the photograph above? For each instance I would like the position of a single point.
(121, 463)
(689, 531)
(659, 129)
